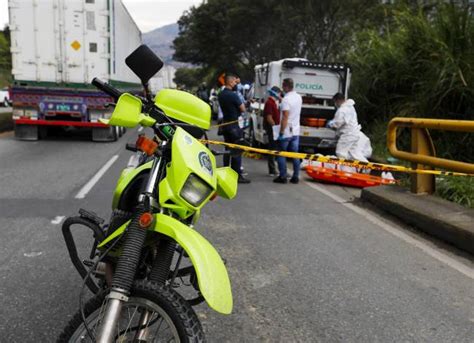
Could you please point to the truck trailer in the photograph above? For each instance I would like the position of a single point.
(57, 48)
(316, 82)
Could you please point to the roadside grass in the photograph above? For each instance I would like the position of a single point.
(377, 132)
(457, 189)
(6, 122)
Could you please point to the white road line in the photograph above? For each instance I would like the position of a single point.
(57, 220)
(140, 129)
(88, 186)
(460, 267)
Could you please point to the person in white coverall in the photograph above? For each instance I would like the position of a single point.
(352, 143)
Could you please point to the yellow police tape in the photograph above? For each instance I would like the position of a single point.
(335, 160)
(223, 124)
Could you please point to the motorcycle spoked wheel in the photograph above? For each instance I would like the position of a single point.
(172, 319)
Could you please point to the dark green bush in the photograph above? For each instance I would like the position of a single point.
(419, 64)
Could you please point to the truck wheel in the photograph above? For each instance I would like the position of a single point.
(27, 132)
(104, 134)
(42, 132)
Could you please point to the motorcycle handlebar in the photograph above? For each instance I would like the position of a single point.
(106, 88)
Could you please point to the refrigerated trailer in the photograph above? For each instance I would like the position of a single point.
(57, 48)
(316, 82)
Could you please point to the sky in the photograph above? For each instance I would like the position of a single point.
(148, 14)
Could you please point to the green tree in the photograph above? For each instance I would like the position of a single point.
(188, 78)
(5, 57)
(422, 66)
(225, 35)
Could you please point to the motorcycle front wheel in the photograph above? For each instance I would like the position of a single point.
(153, 313)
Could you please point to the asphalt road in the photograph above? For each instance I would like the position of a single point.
(308, 262)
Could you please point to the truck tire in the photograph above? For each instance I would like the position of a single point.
(42, 132)
(27, 132)
(104, 134)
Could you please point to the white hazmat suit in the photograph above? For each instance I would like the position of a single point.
(352, 143)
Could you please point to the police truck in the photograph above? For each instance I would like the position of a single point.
(316, 82)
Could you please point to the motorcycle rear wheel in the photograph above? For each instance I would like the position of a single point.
(172, 319)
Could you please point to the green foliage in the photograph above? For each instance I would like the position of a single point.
(188, 78)
(5, 58)
(422, 66)
(457, 189)
(237, 35)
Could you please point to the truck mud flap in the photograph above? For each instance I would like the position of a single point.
(27, 132)
(104, 134)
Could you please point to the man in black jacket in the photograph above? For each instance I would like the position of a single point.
(232, 107)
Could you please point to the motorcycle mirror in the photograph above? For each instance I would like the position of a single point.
(144, 63)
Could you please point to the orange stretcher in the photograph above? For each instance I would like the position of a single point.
(334, 175)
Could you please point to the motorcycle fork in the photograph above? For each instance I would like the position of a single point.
(159, 274)
(124, 274)
(142, 334)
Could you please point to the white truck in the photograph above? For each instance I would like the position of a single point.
(163, 79)
(57, 47)
(316, 82)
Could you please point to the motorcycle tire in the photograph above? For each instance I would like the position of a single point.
(169, 306)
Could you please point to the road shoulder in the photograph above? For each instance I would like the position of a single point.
(442, 219)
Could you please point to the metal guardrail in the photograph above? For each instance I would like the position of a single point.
(423, 154)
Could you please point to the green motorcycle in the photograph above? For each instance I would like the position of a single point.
(150, 248)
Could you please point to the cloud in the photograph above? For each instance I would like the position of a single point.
(148, 14)
(151, 14)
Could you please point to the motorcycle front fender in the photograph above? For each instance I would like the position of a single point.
(211, 272)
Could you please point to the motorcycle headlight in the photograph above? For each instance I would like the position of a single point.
(195, 190)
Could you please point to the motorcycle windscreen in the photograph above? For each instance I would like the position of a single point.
(184, 107)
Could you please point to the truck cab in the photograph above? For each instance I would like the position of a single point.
(316, 82)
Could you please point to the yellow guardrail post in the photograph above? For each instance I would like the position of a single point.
(422, 144)
(422, 149)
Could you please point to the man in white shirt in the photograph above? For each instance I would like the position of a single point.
(289, 136)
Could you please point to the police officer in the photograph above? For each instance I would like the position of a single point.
(232, 107)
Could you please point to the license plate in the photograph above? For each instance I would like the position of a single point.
(305, 133)
(63, 107)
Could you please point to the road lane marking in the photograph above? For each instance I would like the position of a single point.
(57, 220)
(451, 262)
(33, 254)
(88, 186)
